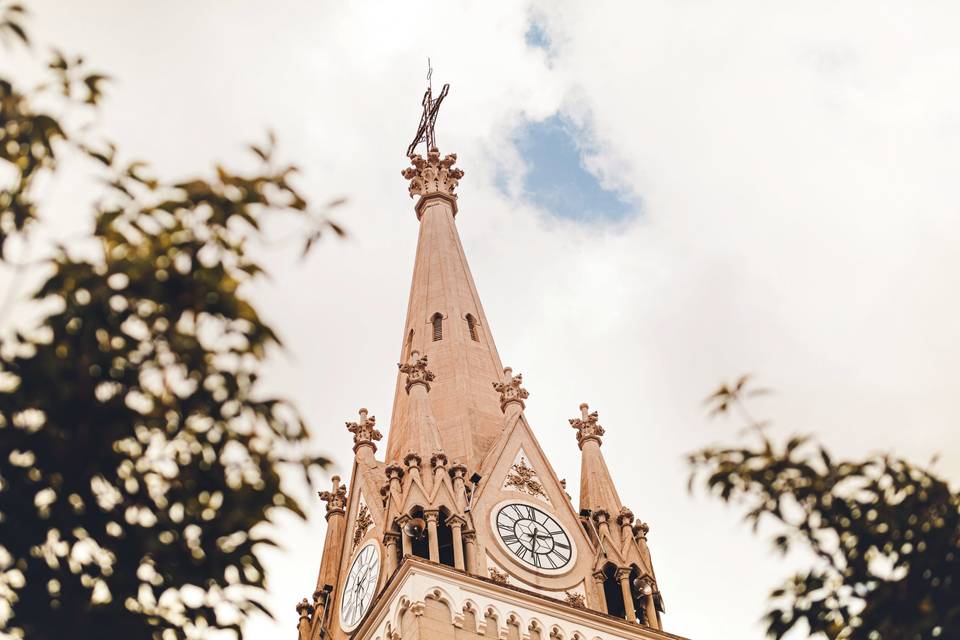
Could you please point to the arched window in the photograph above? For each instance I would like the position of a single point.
(408, 347)
(437, 321)
(472, 327)
(612, 592)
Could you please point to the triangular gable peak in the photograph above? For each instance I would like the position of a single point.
(523, 478)
(502, 484)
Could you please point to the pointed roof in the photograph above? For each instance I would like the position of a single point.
(445, 322)
(597, 491)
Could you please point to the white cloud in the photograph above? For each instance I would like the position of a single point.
(797, 167)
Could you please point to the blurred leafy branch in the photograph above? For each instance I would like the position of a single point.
(137, 457)
(885, 532)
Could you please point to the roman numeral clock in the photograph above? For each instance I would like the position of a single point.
(532, 537)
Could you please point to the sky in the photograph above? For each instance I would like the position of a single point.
(659, 196)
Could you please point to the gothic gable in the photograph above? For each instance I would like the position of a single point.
(516, 471)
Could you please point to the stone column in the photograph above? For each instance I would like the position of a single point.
(623, 575)
(456, 526)
(336, 500)
(653, 617)
(405, 542)
(598, 579)
(470, 540)
(305, 611)
(390, 542)
(431, 517)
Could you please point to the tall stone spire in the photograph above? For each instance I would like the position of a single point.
(597, 491)
(446, 323)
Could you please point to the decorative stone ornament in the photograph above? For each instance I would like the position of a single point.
(336, 498)
(363, 523)
(523, 478)
(498, 576)
(587, 426)
(575, 599)
(304, 609)
(364, 431)
(510, 389)
(433, 176)
(640, 530)
(416, 370)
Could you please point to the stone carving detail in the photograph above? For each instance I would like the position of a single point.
(304, 609)
(640, 529)
(364, 431)
(363, 523)
(625, 517)
(587, 426)
(575, 599)
(511, 390)
(523, 478)
(336, 498)
(432, 175)
(416, 370)
(438, 459)
(498, 576)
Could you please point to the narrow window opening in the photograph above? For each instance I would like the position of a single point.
(612, 592)
(472, 327)
(437, 321)
(408, 347)
(445, 540)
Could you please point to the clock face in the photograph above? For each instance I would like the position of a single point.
(533, 537)
(360, 586)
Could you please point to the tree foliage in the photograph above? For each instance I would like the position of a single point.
(137, 457)
(885, 532)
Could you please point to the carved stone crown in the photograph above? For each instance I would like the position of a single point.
(511, 390)
(336, 498)
(416, 370)
(587, 426)
(364, 431)
(433, 176)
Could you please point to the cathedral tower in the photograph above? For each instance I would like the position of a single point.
(464, 530)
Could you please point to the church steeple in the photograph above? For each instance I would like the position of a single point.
(446, 323)
(464, 530)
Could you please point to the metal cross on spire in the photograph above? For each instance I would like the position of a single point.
(431, 106)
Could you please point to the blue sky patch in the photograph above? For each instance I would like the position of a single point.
(556, 179)
(537, 36)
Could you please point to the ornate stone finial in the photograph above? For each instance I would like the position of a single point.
(304, 609)
(640, 529)
(458, 470)
(438, 459)
(336, 498)
(364, 431)
(511, 390)
(601, 517)
(587, 426)
(412, 460)
(416, 370)
(625, 517)
(394, 471)
(433, 176)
